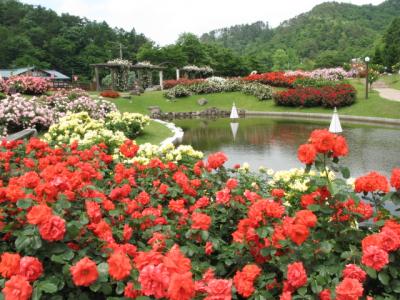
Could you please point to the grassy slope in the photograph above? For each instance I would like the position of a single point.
(154, 133)
(393, 81)
(374, 106)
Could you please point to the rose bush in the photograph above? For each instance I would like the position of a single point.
(276, 79)
(328, 96)
(28, 85)
(80, 223)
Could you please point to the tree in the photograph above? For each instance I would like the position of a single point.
(391, 50)
(280, 60)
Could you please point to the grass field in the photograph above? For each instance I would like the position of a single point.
(154, 133)
(375, 106)
(392, 81)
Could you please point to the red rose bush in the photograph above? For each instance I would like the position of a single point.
(88, 223)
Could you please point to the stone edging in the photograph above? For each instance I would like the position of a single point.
(177, 132)
(325, 116)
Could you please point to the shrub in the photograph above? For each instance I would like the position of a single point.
(183, 81)
(277, 79)
(177, 91)
(3, 86)
(17, 113)
(28, 85)
(2, 96)
(80, 222)
(131, 124)
(259, 90)
(313, 82)
(110, 94)
(329, 96)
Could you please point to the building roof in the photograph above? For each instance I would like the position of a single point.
(6, 73)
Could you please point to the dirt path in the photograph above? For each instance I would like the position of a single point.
(386, 92)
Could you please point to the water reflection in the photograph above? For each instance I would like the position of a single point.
(273, 142)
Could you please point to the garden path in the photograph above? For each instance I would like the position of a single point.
(386, 92)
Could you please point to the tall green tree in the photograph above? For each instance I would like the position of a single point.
(280, 60)
(391, 39)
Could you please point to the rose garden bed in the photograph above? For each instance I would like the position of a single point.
(88, 223)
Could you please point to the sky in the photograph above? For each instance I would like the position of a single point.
(164, 20)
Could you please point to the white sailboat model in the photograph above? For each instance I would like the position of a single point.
(335, 126)
(234, 113)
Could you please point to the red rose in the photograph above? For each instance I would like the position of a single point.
(84, 272)
(119, 265)
(375, 257)
(298, 233)
(39, 214)
(355, 272)
(325, 295)
(278, 193)
(307, 154)
(286, 296)
(219, 289)
(231, 183)
(216, 160)
(395, 178)
(208, 249)
(340, 147)
(306, 217)
(200, 221)
(9, 264)
(17, 288)
(244, 280)
(296, 275)
(30, 267)
(53, 229)
(349, 289)
(372, 182)
(181, 286)
(323, 140)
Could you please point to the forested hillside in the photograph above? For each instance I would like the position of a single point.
(34, 35)
(327, 35)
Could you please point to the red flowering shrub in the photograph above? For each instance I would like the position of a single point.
(277, 79)
(82, 222)
(183, 81)
(328, 96)
(28, 85)
(110, 94)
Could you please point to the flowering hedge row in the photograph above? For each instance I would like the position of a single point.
(26, 85)
(81, 224)
(18, 112)
(112, 131)
(110, 94)
(328, 96)
(276, 79)
(218, 85)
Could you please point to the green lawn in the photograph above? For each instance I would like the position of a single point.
(393, 81)
(154, 133)
(373, 107)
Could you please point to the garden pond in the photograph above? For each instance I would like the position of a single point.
(273, 142)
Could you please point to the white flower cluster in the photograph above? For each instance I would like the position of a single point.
(196, 69)
(144, 64)
(121, 62)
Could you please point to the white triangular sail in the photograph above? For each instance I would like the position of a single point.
(234, 113)
(335, 126)
(234, 128)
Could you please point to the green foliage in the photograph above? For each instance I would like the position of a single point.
(34, 35)
(391, 39)
(330, 34)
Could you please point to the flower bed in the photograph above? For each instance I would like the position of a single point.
(276, 79)
(110, 94)
(171, 83)
(218, 85)
(329, 96)
(112, 132)
(28, 85)
(17, 112)
(78, 223)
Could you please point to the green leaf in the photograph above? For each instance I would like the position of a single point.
(371, 273)
(37, 294)
(24, 203)
(204, 235)
(384, 278)
(22, 242)
(326, 247)
(48, 287)
(395, 284)
(302, 291)
(103, 272)
(345, 172)
(314, 207)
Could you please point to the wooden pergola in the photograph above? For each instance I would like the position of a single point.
(138, 68)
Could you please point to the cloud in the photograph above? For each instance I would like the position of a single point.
(163, 21)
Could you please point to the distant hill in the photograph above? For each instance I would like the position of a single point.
(340, 30)
(34, 35)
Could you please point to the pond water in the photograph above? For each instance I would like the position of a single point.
(273, 143)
